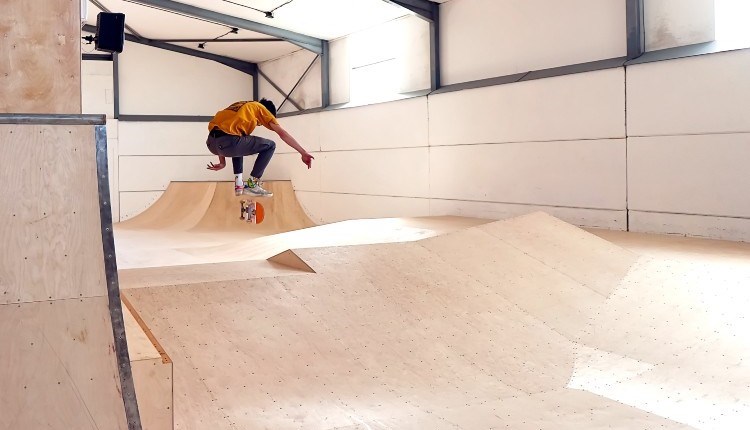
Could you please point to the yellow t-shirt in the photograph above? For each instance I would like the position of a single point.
(241, 118)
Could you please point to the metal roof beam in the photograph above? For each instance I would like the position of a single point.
(307, 42)
(243, 66)
(426, 9)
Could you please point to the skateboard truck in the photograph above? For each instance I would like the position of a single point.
(251, 211)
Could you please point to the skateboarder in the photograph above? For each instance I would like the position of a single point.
(229, 136)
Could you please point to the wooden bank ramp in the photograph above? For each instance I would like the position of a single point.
(63, 357)
(528, 323)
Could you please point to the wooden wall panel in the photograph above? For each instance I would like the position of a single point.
(49, 216)
(40, 67)
(57, 366)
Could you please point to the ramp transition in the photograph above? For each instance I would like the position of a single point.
(528, 323)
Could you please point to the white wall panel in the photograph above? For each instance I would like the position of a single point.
(690, 174)
(133, 203)
(154, 173)
(697, 95)
(304, 128)
(400, 124)
(585, 174)
(163, 138)
(310, 202)
(113, 170)
(97, 88)
(671, 23)
(340, 71)
(488, 38)
(384, 172)
(339, 207)
(158, 82)
(289, 167)
(737, 229)
(581, 106)
(609, 219)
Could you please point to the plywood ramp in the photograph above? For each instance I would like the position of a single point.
(196, 215)
(526, 324)
(213, 207)
(58, 360)
(196, 223)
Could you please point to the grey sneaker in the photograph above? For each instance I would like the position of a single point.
(257, 190)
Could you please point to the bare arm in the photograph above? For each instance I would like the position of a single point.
(291, 141)
(221, 165)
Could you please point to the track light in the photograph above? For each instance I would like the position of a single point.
(267, 14)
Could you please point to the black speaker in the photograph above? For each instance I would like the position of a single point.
(110, 32)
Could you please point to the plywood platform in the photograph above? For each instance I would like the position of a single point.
(528, 323)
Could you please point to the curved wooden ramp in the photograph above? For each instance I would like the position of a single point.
(528, 323)
(213, 207)
(195, 215)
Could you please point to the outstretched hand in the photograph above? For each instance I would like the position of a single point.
(215, 167)
(307, 159)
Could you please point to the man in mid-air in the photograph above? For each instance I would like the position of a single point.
(229, 136)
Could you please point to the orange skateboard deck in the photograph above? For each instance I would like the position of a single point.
(252, 211)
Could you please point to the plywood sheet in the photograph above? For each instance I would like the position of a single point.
(57, 366)
(584, 257)
(49, 219)
(526, 323)
(150, 277)
(153, 386)
(538, 289)
(40, 69)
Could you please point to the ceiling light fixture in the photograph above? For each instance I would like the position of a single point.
(268, 14)
(233, 30)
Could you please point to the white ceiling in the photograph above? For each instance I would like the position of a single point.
(325, 19)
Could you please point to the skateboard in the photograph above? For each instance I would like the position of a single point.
(252, 211)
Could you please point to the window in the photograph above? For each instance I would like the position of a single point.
(732, 16)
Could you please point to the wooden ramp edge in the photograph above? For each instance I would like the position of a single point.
(290, 258)
(153, 372)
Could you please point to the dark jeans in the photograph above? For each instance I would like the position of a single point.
(228, 145)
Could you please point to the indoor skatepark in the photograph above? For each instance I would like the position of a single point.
(561, 248)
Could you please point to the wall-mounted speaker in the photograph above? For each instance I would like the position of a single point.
(110, 32)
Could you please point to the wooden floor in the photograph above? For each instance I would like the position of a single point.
(528, 323)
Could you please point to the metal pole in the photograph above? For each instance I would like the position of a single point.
(636, 32)
(325, 75)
